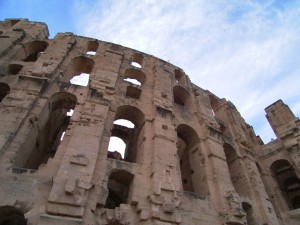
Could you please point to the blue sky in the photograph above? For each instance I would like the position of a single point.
(247, 51)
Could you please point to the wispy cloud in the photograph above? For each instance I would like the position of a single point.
(247, 51)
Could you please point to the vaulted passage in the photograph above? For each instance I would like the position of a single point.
(118, 188)
(288, 182)
(235, 169)
(192, 172)
(50, 136)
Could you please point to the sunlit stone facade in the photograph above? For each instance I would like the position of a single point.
(190, 158)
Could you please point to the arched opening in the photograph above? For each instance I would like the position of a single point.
(188, 150)
(79, 66)
(214, 102)
(249, 213)
(14, 69)
(92, 47)
(31, 51)
(11, 216)
(137, 60)
(182, 97)
(179, 76)
(128, 126)
(235, 170)
(118, 186)
(135, 74)
(4, 90)
(135, 79)
(51, 134)
(288, 182)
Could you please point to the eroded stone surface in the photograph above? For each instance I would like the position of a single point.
(190, 157)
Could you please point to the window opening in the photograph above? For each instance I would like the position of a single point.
(92, 47)
(181, 97)
(81, 79)
(79, 68)
(53, 132)
(135, 74)
(118, 186)
(214, 105)
(31, 51)
(179, 76)
(128, 126)
(4, 90)
(137, 60)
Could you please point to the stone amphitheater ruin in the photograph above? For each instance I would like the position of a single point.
(190, 159)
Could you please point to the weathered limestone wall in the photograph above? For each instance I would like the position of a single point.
(190, 157)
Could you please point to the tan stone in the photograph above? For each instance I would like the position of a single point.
(189, 159)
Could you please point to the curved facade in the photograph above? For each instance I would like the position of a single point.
(190, 158)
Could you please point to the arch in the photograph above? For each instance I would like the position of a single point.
(132, 136)
(193, 173)
(236, 171)
(214, 102)
(138, 75)
(77, 66)
(179, 76)
(31, 51)
(11, 216)
(137, 60)
(182, 97)
(62, 100)
(131, 113)
(288, 182)
(14, 69)
(50, 135)
(4, 90)
(118, 186)
(92, 47)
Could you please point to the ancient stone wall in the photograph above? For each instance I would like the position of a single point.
(190, 157)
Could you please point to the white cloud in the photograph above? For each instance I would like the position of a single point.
(246, 50)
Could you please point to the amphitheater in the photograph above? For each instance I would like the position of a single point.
(190, 158)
